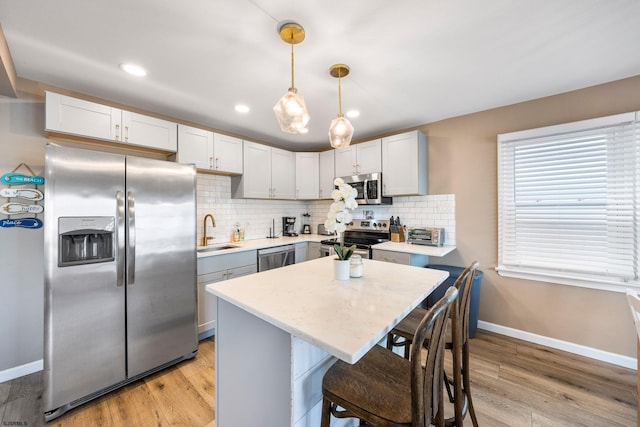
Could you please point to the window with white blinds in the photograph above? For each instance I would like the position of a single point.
(568, 203)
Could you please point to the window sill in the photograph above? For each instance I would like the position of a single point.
(606, 284)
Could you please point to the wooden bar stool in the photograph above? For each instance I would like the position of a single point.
(634, 304)
(402, 336)
(387, 390)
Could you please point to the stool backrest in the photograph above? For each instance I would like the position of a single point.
(464, 283)
(426, 383)
(634, 304)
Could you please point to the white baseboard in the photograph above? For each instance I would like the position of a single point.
(593, 353)
(19, 371)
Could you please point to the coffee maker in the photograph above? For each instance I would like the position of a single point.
(306, 227)
(289, 226)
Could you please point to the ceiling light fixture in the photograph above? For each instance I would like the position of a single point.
(242, 108)
(291, 110)
(340, 130)
(133, 69)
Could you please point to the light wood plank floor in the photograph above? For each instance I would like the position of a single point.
(514, 383)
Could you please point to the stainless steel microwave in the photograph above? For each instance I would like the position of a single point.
(369, 188)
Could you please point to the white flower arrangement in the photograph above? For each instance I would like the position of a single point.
(344, 198)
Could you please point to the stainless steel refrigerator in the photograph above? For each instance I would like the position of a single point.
(120, 272)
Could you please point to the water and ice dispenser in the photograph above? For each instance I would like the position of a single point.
(85, 240)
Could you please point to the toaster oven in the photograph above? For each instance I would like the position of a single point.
(425, 236)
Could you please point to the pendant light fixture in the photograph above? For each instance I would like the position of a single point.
(340, 130)
(291, 110)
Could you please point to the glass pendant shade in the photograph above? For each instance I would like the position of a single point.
(340, 132)
(340, 129)
(291, 112)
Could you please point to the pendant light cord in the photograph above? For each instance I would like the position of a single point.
(293, 86)
(339, 95)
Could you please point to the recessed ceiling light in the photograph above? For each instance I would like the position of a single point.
(303, 130)
(352, 114)
(133, 69)
(241, 108)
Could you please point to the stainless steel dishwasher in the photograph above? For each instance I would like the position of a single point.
(276, 257)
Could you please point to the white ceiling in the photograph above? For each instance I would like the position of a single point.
(412, 61)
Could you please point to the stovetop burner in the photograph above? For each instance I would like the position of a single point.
(363, 234)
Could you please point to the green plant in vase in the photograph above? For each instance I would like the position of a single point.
(344, 199)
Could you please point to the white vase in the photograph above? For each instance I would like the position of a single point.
(341, 269)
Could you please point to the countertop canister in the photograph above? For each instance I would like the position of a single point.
(355, 266)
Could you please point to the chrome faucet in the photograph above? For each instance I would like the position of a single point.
(205, 239)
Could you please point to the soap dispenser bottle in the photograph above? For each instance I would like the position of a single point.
(235, 236)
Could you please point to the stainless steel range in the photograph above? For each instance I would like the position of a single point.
(363, 233)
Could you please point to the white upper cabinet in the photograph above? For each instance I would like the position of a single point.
(82, 118)
(359, 159)
(345, 161)
(195, 146)
(404, 164)
(72, 116)
(327, 173)
(307, 176)
(269, 173)
(256, 179)
(227, 154)
(369, 156)
(209, 151)
(283, 174)
(149, 132)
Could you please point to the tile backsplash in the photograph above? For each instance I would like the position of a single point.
(256, 216)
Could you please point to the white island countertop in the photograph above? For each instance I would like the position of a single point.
(343, 318)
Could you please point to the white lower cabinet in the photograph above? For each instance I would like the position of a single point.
(216, 269)
(309, 366)
(313, 250)
(417, 260)
(272, 373)
(302, 252)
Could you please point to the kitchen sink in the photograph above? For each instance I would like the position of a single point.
(217, 248)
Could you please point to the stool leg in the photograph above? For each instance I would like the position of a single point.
(466, 383)
(389, 341)
(326, 413)
(447, 384)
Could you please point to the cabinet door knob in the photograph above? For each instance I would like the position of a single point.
(210, 162)
(117, 132)
(126, 133)
(217, 159)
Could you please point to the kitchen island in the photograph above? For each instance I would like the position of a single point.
(280, 330)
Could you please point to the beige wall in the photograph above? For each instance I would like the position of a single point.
(463, 161)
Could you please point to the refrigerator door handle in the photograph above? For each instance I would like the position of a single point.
(131, 250)
(120, 237)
